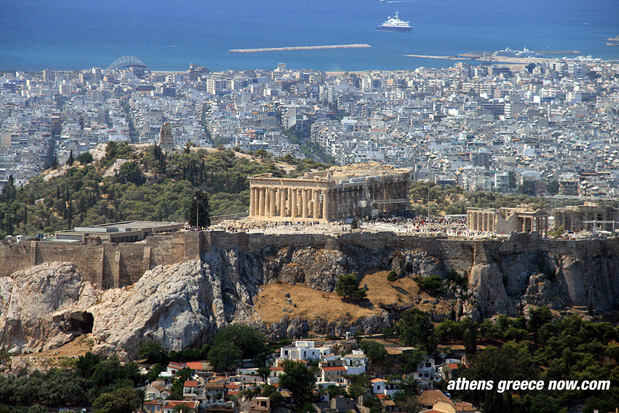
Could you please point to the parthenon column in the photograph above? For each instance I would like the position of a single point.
(316, 211)
(261, 202)
(293, 200)
(325, 205)
(282, 202)
(272, 203)
(304, 203)
(252, 202)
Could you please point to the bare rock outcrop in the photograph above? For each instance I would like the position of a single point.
(44, 307)
(178, 305)
(486, 283)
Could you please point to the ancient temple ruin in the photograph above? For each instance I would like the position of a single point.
(339, 193)
(166, 138)
(507, 220)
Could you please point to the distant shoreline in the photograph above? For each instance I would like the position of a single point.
(294, 48)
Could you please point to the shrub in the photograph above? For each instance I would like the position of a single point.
(392, 276)
(432, 283)
(453, 276)
(348, 288)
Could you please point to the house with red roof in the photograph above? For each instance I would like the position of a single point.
(169, 405)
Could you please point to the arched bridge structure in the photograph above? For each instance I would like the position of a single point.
(127, 62)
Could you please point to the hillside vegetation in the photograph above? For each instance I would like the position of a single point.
(146, 184)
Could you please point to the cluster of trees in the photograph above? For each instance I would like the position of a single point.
(149, 185)
(234, 344)
(89, 380)
(536, 347)
(539, 347)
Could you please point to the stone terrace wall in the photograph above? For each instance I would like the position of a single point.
(106, 265)
(115, 265)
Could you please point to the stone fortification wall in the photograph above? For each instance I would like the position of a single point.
(107, 265)
(115, 265)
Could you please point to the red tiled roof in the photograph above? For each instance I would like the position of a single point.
(232, 386)
(194, 365)
(191, 383)
(176, 365)
(336, 368)
(173, 403)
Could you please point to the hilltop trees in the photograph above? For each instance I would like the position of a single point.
(198, 213)
(149, 185)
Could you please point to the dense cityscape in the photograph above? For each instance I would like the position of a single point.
(472, 126)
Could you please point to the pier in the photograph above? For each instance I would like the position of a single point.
(294, 48)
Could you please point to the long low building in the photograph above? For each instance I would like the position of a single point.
(352, 191)
(126, 231)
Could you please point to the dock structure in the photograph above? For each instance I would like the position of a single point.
(353, 191)
(294, 48)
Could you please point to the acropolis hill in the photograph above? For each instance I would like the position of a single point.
(211, 278)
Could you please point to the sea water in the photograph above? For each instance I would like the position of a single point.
(77, 34)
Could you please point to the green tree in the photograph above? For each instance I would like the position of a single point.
(537, 318)
(124, 400)
(374, 350)
(299, 380)
(359, 384)
(416, 329)
(86, 364)
(527, 188)
(553, 187)
(276, 399)
(348, 288)
(9, 192)
(470, 341)
(85, 158)
(433, 283)
(249, 340)
(153, 352)
(410, 359)
(130, 172)
(198, 213)
(70, 160)
(225, 356)
(154, 372)
(392, 276)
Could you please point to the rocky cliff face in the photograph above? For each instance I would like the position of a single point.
(184, 304)
(44, 307)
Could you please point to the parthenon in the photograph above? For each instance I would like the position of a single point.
(353, 191)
